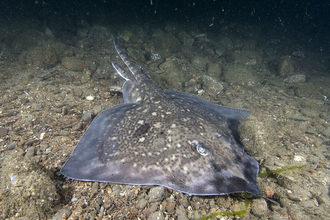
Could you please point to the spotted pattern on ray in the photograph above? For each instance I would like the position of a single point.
(166, 138)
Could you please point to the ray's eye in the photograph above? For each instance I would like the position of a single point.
(203, 151)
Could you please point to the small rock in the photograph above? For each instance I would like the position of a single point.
(214, 69)
(142, 203)
(155, 56)
(12, 146)
(181, 214)
(73, 63)
(86, 77)
(94, 189)
(107, 202)
(30, 152)
(259, 207)
(97, 109)
(90, 98)
(3, 132)
(156, 216)
(307, 205)
(299, 194)
(325, 132)
(116, 190)
(134, 211)
(65, 110)
(156, 194)
(87, 116)
(30, 142)
(299, 78)
(152, 209)
(184, 202)
(77, 127)
(295, 211)
(44, 146)
(310, 113)
(24, 101)
(8, 114)
(74, 199)
(323, 198)
(170, 206)
(299, 158)
(278, 216)
(286, 66)
(61, 213)
(211, 85)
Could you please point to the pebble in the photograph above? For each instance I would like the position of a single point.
(156, 194)
(299, 158)
(30, 152)
(296, 213)
(31, 141)
(188, 40)
(3, 132)
(73, 63)
(155, 56)
(8, 114)
(278, 216)
(310, 112)
(94, 189)
(90, 98)
(42, 135)
(142, 203)
(323, 198)
(152, 209)
(97, 109)
(184, 202)
(299, 78)
(156, 216)
(107, 202)
(44, 146)
(181, 214)
(116, 190)
(77, 127)
(134, 210)
(325, 132)
(170, 206)
(12, 146)
(299, 194)
(259, 207)
(60, 213)
(87, 116)
(74, 199)
(308, 205)
(213, 86)
(86, 77)
(24, 101)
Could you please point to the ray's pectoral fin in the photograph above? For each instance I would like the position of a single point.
(231, 114)
(87, 160)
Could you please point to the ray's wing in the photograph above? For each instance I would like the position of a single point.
(230, 114)
(85, 162)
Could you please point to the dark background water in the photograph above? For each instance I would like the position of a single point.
(311, 16)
